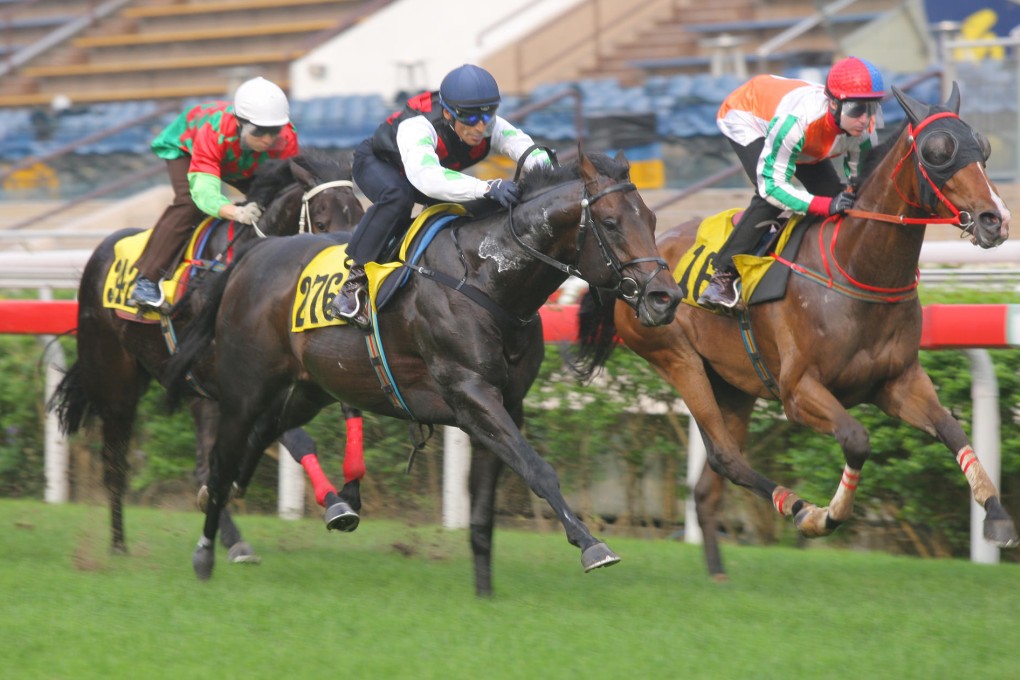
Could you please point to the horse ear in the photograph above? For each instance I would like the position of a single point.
(953, 103)
(916, 111)
(588, 172)
(620, 159)
(302, 175)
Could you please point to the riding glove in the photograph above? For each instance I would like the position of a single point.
(249, 213)
(841, 202)
(504, 192)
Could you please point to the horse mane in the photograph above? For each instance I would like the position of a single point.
(596, 336)
(877, 154)
(275, 175)
(544, 177)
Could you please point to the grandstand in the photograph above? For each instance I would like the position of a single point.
(652, 86)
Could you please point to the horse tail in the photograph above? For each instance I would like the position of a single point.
(197, 335)
(70, 402)
(596, 335)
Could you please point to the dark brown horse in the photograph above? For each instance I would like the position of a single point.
(117, 357)
(847, 331)
(461, 340)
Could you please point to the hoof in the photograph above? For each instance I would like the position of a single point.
(203, 498)
(341, 517)
(242, 553)
(812, 521)
(202, 560)
(598, 555)
(1001, 532)
(720, 578)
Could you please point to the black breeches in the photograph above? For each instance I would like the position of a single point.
(393, 199)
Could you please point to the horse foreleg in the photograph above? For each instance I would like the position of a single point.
(483, 416)
(482, 480)
(206, 414)
(913, 399)
(811, 404)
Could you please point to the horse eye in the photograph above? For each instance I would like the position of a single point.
(610, 223)
(938, 149)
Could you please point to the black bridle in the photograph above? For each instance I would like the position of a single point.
(626, 287)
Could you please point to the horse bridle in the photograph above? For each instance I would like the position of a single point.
(926, 185)
(311, 193)
(626, 287)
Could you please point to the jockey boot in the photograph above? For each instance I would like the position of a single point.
(351, 303)
(721, 291)
(147, 293)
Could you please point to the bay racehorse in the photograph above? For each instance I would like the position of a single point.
(118, 354)
(846, 332)
(461, 341)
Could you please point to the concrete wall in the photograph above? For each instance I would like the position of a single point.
(394, 50)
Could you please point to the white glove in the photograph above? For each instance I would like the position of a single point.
(249, 213)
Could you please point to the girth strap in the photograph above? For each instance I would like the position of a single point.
(473, 293)
(377, 357)
(751, 347)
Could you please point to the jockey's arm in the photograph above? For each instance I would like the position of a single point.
(778, 163)
(513, 142)
(417, 141)
(207, 193)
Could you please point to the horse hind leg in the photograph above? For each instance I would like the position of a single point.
(341, 509)
(116, 443)
(708, 493)
(484, 475)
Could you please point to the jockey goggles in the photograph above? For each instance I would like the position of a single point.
(266, 130)
(855, 108)
(472, 117)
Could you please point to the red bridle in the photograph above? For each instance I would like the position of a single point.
(958, 215)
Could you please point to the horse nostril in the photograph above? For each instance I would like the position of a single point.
(990, 219)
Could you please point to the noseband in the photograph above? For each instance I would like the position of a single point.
(305, 222)
(626, 287)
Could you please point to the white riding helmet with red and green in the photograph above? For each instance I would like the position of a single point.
(261, 103)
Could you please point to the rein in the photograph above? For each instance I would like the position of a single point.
(626, 287)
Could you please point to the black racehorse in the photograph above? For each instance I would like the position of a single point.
(847, 331)
(118, 355)
(461, 341)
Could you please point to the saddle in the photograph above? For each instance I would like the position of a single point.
(120, 278)
(323, 276)
(761, 280)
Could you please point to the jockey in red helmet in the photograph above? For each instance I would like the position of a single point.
(781, 128)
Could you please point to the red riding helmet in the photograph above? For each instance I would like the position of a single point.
(854, 78)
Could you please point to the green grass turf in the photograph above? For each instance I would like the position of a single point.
(396, 601)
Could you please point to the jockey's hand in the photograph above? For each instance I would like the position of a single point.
(841, 202)
(504, 192)
(249, 213)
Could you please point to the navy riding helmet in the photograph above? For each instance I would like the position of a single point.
(469, 87)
